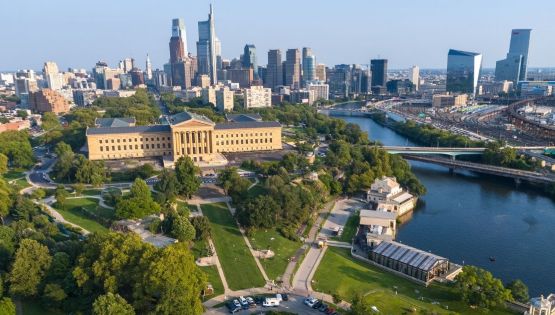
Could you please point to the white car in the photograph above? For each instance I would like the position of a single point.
(310, 301)
(271, 302)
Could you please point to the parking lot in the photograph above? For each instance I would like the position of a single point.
(294, 305)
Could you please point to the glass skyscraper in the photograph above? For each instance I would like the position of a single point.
(514, 67)
(463, 71)
(208, 48)
(249, 59)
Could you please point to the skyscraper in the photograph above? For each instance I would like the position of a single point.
(309, 66)
(178, 48)
(378, 68)
(463, 71)
(414, 76)
(249, 59)
(274, 70)
(53, 77)
(514, 67)
(293, 68)
(208, 48)
(148, 68)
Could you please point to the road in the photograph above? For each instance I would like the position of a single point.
(339, 215)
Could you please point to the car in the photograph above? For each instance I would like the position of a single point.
(323, 307)
(271, 302)
(259, 299)
(317, 305)
(251, 302)
(232, 307)
(310, 301)
(284, 297)
(244, 302)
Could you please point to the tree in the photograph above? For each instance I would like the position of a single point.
(64, 164)
(3, 164)
(186, 173)
(38, 194)
(53, 294)
(176, 280)
(182, 229)
(78, 188)
(5, 202)
(17, 147)
(519, 291)
(167, 186)
(112, 304)
(203, 230)
(32, 260)
(61, 196)
(7, 307)
(478, 287)
(7, 247)
(138, 204)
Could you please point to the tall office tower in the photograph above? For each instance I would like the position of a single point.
(249, 59)
(207, 52)
(339, 79)
(414, 77)
(379, 72)
(293, 68)
(126, 64)
(463, 71)
(309, 66)
(178, 48)
(321, 72)
(54, 79)
(514, 67)
(148, 68)
(274, 70)
(99, 75)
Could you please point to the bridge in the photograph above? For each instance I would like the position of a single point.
(518, 175)
(453, 152)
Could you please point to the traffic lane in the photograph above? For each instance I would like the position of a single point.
(38, 178)
(294, 305)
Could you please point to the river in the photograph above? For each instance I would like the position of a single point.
(469, 218)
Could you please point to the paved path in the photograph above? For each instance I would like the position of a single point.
(99, 198)
(197, 200)
(56, 215)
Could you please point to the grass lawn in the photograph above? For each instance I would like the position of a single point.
(213, 278)
(74, 213)
(13, 174)
(21, 183)
(340, 273)
(349, 229)
(257, 190)
(282, 247)
(239, 266)
(92, 192)
(200, 249)
(184, 206)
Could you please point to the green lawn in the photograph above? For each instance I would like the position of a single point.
(213, 278)
(21, 183)
(74, 212)
(340, 273)
(183, 206)
(282, 247)
(239, 266)
(200, 249)
(92, 192)
(13, 174)
(349, 229)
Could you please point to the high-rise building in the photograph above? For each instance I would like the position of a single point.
(47, 100)
(514, 68)
(274, 70)
(378, 68)
(463, 71)
(208, 48)
(309, 66)
(148, 68)
(249, 59)
(414, 76)
(126, 64)
(54, 79)
(224, 99)
(321, 90)
(339, 79)
(183, 73)
(293, 68)
(257, 96)
(321, 72)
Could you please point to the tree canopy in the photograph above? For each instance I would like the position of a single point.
(138, 204)
(186, 173)
(478, 287)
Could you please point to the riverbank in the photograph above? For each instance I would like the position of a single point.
(469, 218)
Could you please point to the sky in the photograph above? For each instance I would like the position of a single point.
(407, 32)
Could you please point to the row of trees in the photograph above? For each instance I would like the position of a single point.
(430, 136)
(498, 155)
(142, 106)
(15, 145)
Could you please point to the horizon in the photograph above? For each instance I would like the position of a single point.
(361, 36)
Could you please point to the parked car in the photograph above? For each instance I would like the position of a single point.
(323, 307)
(310, 301)
(233, 307)
(271, 302)
(259, 299)
(251, 302)
(317, 305)
(284, 297)
(243, 302)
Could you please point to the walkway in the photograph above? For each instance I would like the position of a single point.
(97, 197)
(45, 203)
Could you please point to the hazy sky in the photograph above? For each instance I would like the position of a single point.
(78, 33)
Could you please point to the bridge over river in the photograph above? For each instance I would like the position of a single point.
(451, 151)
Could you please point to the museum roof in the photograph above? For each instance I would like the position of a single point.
(115, 122)
(247, 125)
(185, 116)
(132, 129)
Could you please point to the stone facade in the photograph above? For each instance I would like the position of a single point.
(186, 134)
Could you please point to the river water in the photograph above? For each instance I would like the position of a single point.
(469, 218)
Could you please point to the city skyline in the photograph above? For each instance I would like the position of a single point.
(381, 36)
